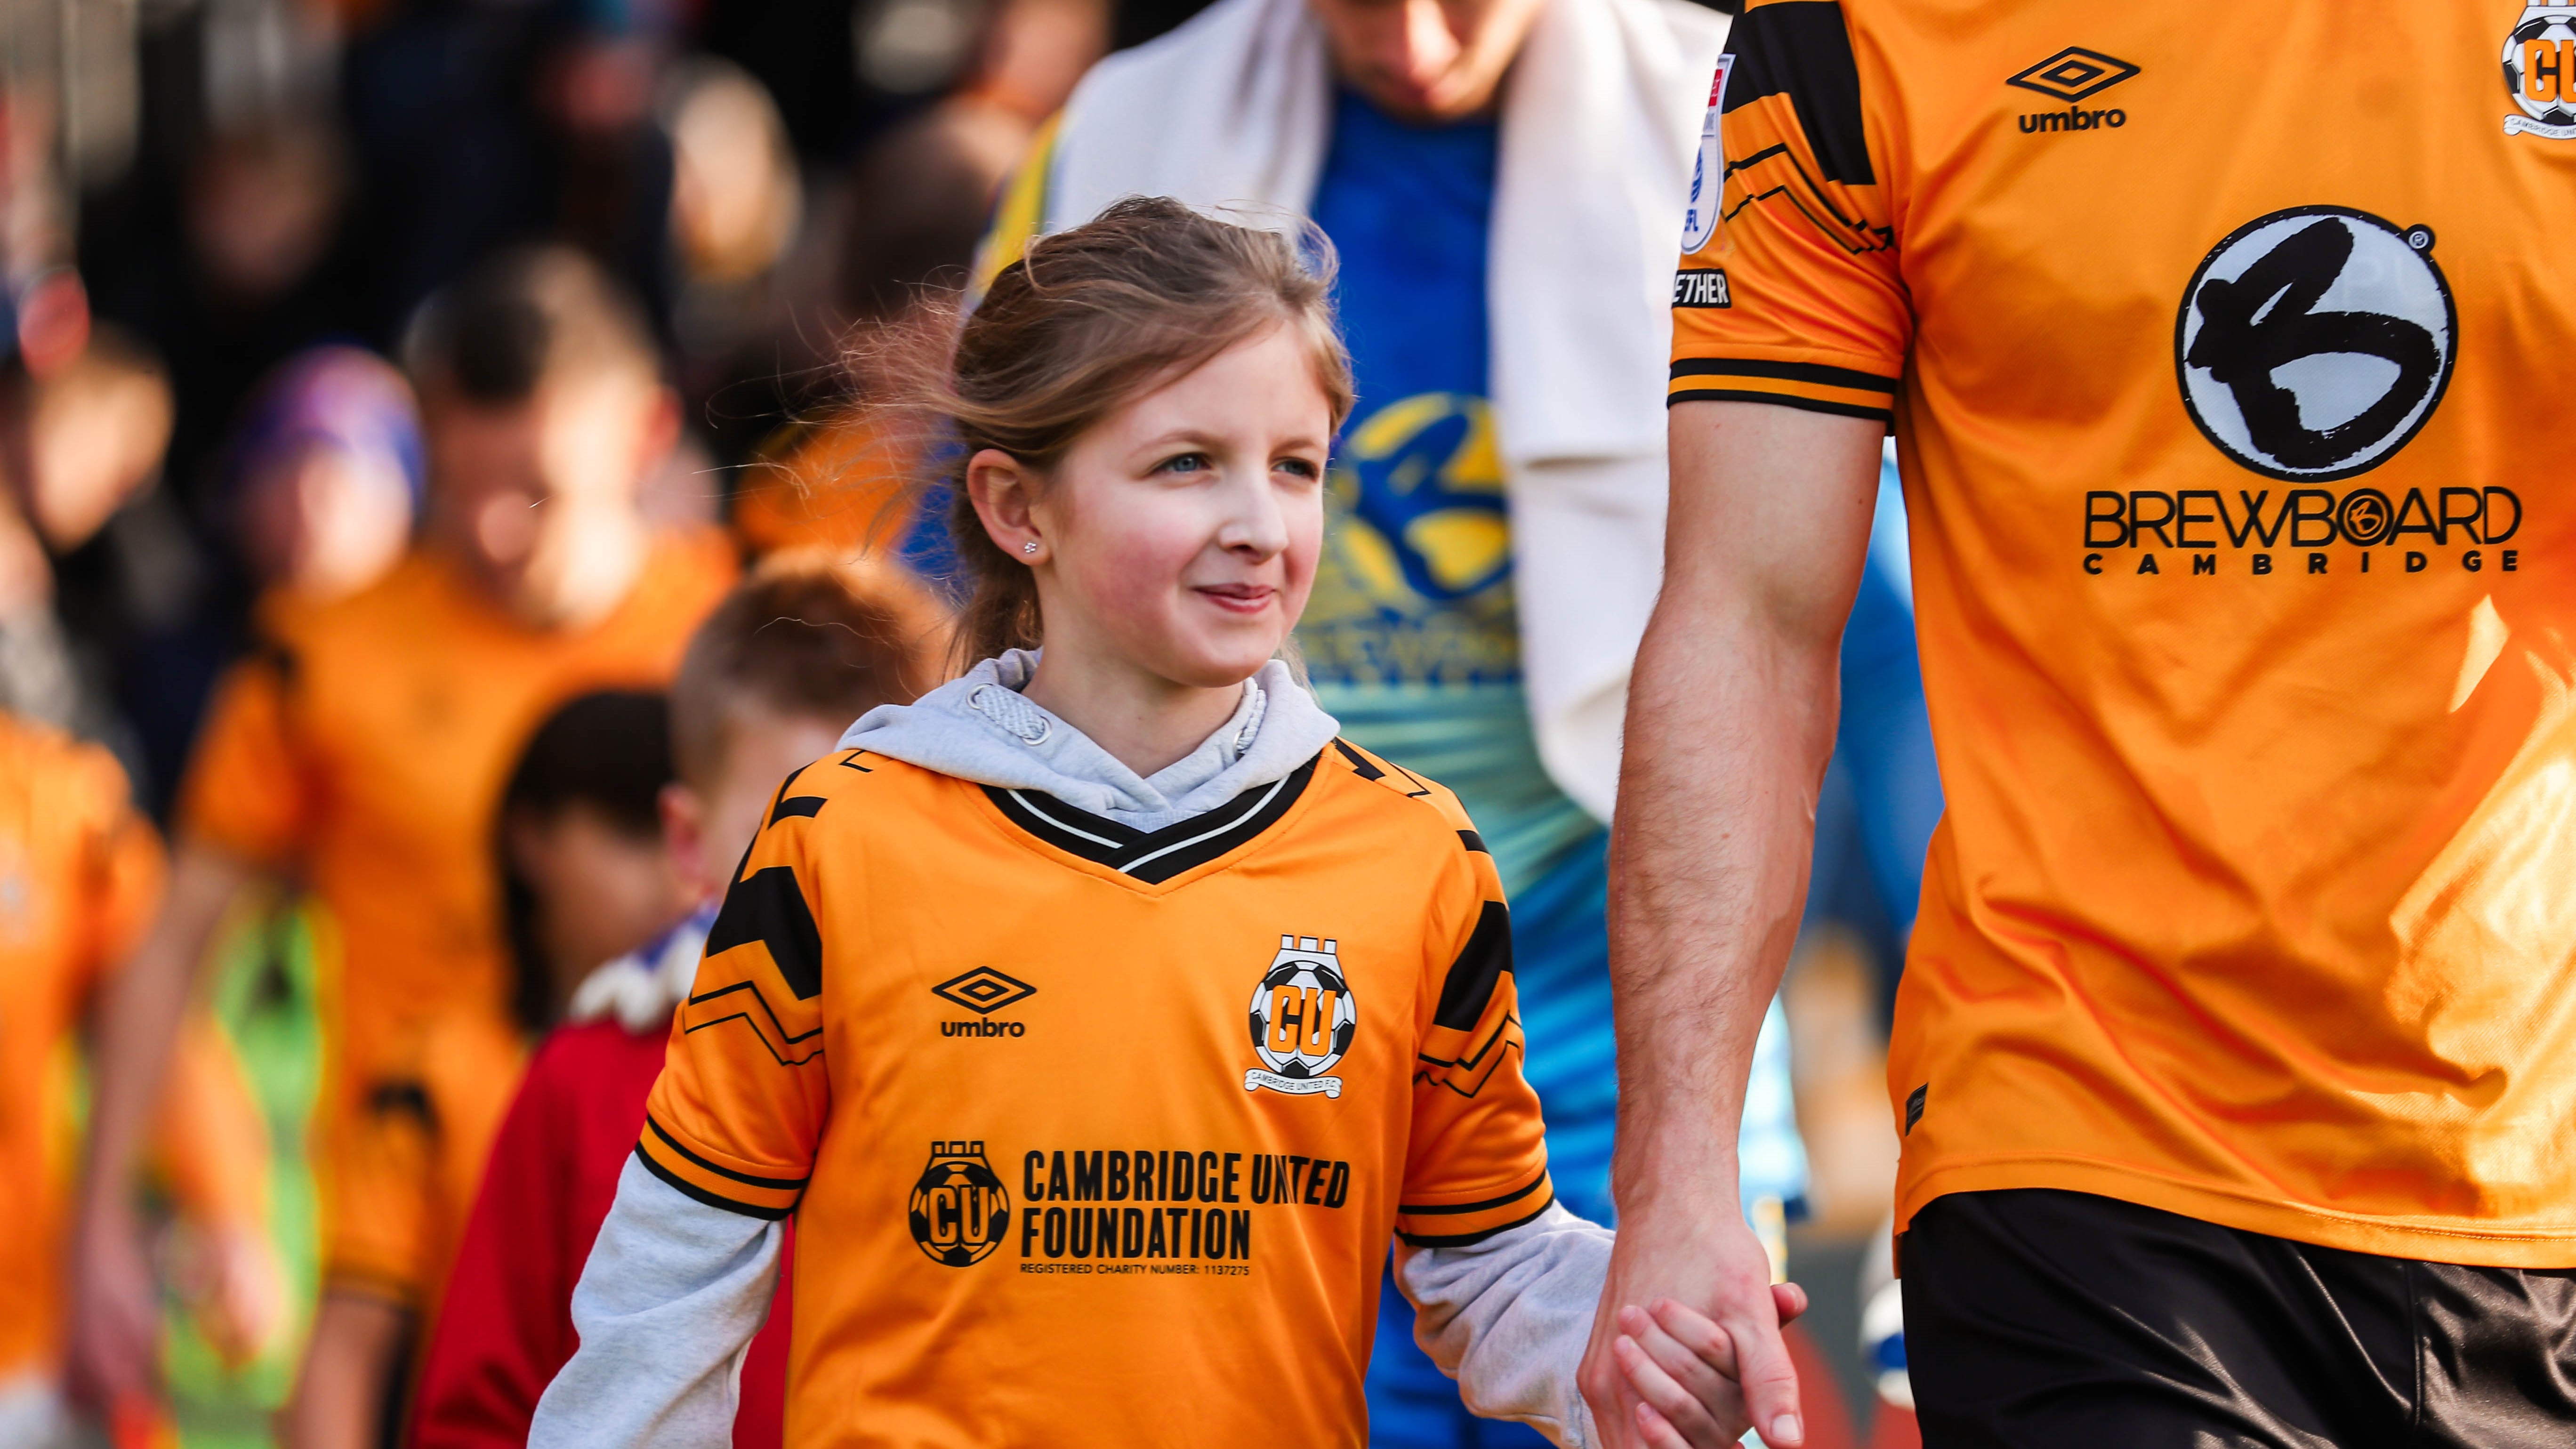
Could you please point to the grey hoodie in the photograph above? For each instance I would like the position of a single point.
(981, 728)
(675, 1289)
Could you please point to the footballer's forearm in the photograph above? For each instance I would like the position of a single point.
(1731, 721)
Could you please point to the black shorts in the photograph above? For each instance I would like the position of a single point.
(2039, 1319)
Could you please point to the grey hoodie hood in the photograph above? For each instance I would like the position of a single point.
(981, 728)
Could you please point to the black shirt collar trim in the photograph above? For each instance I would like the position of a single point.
(1156, 856)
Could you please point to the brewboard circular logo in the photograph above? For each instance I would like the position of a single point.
(2314, 342)
(1303, 1019)
(960, 1210)
(2537, 53)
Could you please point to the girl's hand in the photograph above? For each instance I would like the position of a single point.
(1682, 1366)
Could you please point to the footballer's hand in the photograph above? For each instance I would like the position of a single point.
(114, 1356)
(1712, 1266)
(1682, 1365)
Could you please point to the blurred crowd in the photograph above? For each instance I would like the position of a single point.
(567, 286)
(220, 392)
(198, 194)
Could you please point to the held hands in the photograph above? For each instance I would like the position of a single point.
(1704, 1361)
(1684, 1369)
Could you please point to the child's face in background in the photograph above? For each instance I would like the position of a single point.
(709, 826)
(1178, 537)
(601, 890)
(325, 521)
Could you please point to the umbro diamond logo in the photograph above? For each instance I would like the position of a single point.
(2074, 74)
(984, 990)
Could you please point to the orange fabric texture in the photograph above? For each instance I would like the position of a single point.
(365, 749)
(80, 876)
(993, 1053)
(835, 485)
(2247, 602)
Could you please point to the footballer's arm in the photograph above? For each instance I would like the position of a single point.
(1730, 723)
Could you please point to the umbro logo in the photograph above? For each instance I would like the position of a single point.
(2074, 74)
(984, 990)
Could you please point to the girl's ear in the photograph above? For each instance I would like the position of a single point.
(1003, 491)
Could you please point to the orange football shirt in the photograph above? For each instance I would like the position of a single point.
(2221, 346)
(80, 876)
(1095, 1137)
(366, 749)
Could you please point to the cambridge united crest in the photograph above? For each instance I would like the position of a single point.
(2538, 55)
(1303, 1019)
(960, 1210)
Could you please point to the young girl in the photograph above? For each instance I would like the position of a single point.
(1101, 1015)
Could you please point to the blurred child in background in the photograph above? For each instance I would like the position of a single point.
(80, 872)
(577, 843)
(777, 672)
(363, 749)
(326, 474)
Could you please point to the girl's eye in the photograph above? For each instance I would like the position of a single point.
(1185, 463)
(1298, 468)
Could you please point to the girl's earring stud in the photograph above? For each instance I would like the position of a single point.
(1029, 547)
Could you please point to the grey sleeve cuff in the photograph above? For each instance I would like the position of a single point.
(666, 1308)
(1509, 1318)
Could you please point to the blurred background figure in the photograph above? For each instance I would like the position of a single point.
(770, 681)
(364, 748)
(80, 874)
(327, 475)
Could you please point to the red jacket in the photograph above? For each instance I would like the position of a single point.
(506, 1323)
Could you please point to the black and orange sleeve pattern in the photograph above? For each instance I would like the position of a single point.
(1791, 295)
(1478, 1160)
(735, 1116)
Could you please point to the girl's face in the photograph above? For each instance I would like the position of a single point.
(1178, 536)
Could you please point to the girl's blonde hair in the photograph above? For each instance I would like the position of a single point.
(1085, 322)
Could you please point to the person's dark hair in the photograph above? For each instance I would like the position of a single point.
(527, 316)
(1081, 325)
(610, 751)
(803, 636)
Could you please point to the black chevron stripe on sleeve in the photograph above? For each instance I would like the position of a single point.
(769, 908)
(1470, 986)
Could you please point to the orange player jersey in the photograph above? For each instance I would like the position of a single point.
(2221, 345)
(80, 875)
(367, 748)
(1093, 1137)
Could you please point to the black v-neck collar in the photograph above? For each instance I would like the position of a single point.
(1156, 856)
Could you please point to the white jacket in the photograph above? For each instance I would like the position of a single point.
(1600, 123)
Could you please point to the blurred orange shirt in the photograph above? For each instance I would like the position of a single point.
(80, 877)
(366, 748)
(2244, 570)
(836, 485)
